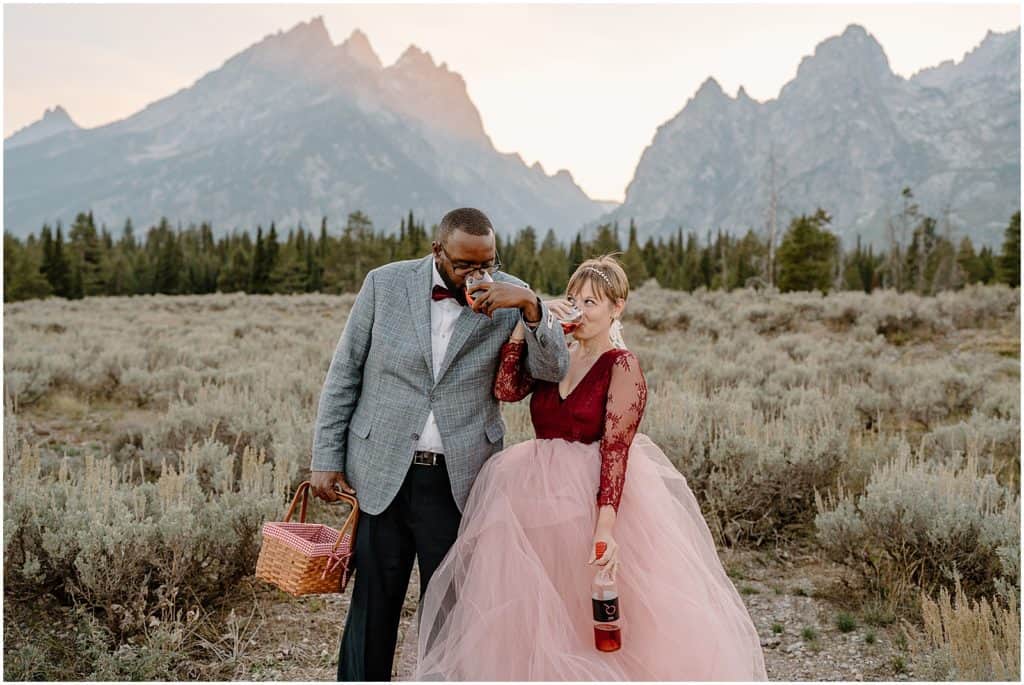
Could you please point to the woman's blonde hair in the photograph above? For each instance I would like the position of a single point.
(605, 276)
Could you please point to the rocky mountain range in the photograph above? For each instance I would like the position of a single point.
(291, 129)
(846, 134)
(295, 128)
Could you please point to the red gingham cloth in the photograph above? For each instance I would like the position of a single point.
(313, 540)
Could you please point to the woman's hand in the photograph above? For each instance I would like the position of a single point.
(561, 308)
(606, 516)
(518, 333)
(610, 558)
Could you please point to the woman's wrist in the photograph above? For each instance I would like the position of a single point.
(518, 334)
(606, 518)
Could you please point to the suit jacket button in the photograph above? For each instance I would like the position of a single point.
(415, 436)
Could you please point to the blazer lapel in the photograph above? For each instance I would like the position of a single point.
(418, 288)
(464, 326)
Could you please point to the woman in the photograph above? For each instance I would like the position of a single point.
(511, 599)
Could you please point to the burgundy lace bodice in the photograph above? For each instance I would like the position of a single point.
(607, 405)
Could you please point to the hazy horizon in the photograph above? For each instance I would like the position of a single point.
(550, 81)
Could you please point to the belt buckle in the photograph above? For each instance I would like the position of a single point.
(425, 458)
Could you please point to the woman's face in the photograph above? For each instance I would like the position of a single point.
(597, 312)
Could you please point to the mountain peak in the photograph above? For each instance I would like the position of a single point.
(414, 58)
(710, 87)
(58, 115)
(357, 47)
(312, 32)
(854, 52)
(709, 94)
(856, 32)
(303, 43)
(55, 120)
(314, 28)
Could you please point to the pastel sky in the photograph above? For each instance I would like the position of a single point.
(581, 87)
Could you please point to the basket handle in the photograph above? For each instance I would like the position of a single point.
(303, 492)
(347, 529)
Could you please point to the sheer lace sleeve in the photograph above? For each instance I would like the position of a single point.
(624, 408)
(513, 381)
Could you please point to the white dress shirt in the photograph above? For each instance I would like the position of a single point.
(443, 315)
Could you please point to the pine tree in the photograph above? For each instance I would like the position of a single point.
(968, 261)
(87, 253)
(127, 243)
(167, 273)
(257, 278)
(987, 260)
(746, 259)
(690, 277)
(605, 242)
(47, 265)
(271, 257)
(552, 266)
(23, 278)
(524, 254)
(918, 258)
(576, 253)
(652, 261)
(807, 253)
(1009, 260)
(707, 270)
(633, 260)
(61, 269)
(236, 274)
(312, 269)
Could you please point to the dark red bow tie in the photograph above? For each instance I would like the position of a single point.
(442, 293)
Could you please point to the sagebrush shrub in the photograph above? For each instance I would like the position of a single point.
(922, 524)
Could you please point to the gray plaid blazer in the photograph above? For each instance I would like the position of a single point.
(380, 385)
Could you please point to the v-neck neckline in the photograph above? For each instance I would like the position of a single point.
(558, 388)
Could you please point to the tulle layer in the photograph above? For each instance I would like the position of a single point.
(511, 600)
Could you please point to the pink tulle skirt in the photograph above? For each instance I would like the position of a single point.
(511, 600)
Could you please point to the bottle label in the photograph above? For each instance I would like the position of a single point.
(605, 610)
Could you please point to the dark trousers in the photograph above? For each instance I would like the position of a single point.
(420, 523)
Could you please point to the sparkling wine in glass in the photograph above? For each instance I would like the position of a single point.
(571, 321)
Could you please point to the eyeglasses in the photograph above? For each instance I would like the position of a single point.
(464, 268)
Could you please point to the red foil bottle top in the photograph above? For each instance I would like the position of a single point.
(600, 548)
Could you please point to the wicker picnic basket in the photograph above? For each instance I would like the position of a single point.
(308, 558)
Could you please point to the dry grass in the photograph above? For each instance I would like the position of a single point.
(967, 640)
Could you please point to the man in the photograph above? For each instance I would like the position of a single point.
(407, 417)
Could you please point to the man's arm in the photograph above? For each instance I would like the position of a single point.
(342, 385)
(547, 356)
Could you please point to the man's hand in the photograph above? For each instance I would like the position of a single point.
(490, 296)
(325, 485)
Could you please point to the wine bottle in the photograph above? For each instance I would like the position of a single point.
(605, 601)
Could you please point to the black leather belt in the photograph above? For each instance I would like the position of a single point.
(427, 458)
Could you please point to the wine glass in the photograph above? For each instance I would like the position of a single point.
(571, 321)
(472, 281)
